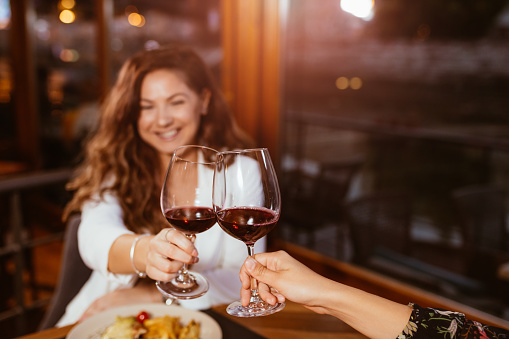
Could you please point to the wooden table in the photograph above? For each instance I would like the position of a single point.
(295, 322)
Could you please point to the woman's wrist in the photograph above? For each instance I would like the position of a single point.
(138, 254)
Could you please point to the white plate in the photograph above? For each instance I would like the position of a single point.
(93, 327)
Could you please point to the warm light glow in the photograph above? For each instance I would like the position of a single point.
(67, 16)
(67, 4)
(342, 83)
(360, 8)
(5, 81)
(356, 83)
(69, 55)
(136, 19)
(130, 9)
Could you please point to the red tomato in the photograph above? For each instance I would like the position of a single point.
(142, 316)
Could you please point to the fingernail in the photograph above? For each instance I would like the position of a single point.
(195, 260)
(250, 263)
(195, 253)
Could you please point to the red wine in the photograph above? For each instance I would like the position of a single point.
(191, 220)
(246, 223)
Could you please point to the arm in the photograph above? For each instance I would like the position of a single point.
(371, 315)
(105, 244)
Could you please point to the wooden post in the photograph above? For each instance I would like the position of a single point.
(104, 19)
(251, 79)
(25, 82)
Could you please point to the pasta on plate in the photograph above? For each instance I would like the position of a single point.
(165, 327)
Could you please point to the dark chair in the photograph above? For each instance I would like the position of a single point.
(379, 221)
(311, 200)
(380, 226)
(482, 217)
(73, 275)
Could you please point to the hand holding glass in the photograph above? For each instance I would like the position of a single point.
(247, 203)
(186, 202)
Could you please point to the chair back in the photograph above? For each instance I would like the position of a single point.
(482, 216)
(73, 275)
(314, 198)
(377, 221)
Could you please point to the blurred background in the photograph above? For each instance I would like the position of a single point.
(387, 120)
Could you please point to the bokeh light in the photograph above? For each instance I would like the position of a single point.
(360, 8)
(130, 9)
(136, 20)
(69, 55)
(355, 83)
(68, 4)
(67, 16)
(342, 83)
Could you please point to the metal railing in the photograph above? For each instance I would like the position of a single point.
(12, 189)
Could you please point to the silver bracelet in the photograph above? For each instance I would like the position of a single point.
(131, 254)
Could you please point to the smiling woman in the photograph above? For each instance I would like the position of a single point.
(170, 112)
(163, 98)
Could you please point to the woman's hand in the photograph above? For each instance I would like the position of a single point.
(167, 252)
(279, 277)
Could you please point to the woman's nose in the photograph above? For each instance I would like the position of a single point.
(164, 116)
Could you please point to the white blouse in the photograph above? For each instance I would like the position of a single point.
(221, 257)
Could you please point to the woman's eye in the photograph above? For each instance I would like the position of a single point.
(145, 107)
(177, 102)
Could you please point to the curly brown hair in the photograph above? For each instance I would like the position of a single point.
(115, 152)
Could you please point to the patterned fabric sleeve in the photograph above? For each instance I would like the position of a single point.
(437, 323)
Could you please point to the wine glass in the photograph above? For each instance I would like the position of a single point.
(247, 202)
(186, 202)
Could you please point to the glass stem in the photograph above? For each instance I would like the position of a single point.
(254, 283)
(183, 274)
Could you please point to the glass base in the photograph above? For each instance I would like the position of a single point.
(254, 309)
(197, 287)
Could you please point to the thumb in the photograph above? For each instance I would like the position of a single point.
(260, 272)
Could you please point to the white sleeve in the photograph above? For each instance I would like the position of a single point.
(101, 224)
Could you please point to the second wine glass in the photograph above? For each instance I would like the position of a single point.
(247, 203)
(186, 202)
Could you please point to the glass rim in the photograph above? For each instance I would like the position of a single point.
(245, 150)
(175, 155)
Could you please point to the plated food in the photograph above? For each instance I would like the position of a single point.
(145, 327)
(160, 316)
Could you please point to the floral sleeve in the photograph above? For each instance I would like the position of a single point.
(437, 323)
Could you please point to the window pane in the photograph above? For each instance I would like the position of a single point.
(147, 24)
(67, 79)
(415, 91)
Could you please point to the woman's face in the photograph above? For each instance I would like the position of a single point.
(170, 111)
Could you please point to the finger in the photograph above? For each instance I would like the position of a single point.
(280, 298)
(245, 278)
(245, 296)
(266, 294)
(163, 264)
(174, 251)
(155, 274)
(260, 272)
(180, 240)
